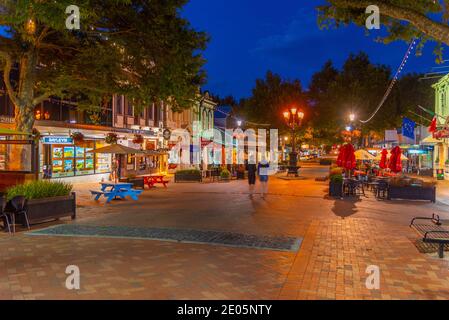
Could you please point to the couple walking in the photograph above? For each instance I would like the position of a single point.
(262, 171)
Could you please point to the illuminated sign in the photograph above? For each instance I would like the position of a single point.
(57, 140)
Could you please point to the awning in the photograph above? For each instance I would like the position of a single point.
(10, 132)
(117, 149)
(430, 140)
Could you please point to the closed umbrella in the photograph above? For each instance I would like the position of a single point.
(383, 159)
(341, 156)
(395, 160)
(350, 162)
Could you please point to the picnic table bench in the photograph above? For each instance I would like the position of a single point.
(431, 231)
(112, 191)
(151, 180)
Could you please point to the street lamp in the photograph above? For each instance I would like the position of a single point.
(352, 117)
(293, 119)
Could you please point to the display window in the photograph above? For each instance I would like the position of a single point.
(102, 161)
(70, 160)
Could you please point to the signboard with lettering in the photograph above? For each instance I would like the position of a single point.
(57, 140)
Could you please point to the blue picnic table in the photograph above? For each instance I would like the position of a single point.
(112, 191)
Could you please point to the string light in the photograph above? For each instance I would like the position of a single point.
(393, 81)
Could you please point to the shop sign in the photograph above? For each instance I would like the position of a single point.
(6, 119)
(57, 140)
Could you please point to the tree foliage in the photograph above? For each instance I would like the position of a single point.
(358, 88)
(140, 48)
(402, 19)
(271, 97)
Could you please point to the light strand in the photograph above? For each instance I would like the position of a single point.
(393, 81)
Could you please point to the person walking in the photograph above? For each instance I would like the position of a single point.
(262, 170)
(252, 169)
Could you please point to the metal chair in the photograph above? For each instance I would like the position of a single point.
(3, 214)
(19, 204)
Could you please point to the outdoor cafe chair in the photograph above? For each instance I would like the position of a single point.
(19, 204)
(3, 215)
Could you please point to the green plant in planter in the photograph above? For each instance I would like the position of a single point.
(40, 189)
(336, 178)
(225, 174)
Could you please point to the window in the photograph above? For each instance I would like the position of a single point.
(130, 109)
(119, 104)
(443, 102)
(150, 112)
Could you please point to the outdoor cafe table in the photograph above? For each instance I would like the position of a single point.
(112, 191)
(152, 179)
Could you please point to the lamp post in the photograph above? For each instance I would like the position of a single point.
(293, 119)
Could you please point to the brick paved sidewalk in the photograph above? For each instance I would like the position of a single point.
(341, 238)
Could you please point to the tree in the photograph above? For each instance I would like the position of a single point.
(271, 97)
(140, 48)
(403, 20)
(358, 88)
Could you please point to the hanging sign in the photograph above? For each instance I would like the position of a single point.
(57, 140)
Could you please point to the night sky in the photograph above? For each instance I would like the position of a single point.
(249, 37)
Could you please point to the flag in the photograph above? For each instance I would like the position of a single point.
(433, 125)
(408, 128)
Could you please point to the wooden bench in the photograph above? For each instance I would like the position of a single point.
(431, 231)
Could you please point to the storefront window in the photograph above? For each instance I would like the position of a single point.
(15, 156)
(63, 161)
(103, 161)
(71, 160)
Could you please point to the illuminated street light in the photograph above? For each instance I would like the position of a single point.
(352, 117)
(293, 119)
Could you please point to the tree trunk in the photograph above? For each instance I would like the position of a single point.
(24, 118)
(24, 110)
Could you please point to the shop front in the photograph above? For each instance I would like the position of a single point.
(62, 158)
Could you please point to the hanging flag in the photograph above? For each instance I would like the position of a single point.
(408, 128)
(433, 125)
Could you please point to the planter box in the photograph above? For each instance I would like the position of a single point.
(336, 189)
(41, 210)
(183, 177)
(325, 162)
(412, 193)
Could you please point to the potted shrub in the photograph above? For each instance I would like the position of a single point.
(189, 175)
(47, 200)
(138, 139)
(225, 175)
(78, 137)
(336, 183)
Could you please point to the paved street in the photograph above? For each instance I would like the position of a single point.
(340, 239)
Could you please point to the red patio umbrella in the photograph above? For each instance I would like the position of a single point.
(395, 160)
(383, 159)
(341, 156)
(349, 161)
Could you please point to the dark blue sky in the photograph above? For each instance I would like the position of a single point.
(249, 37)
